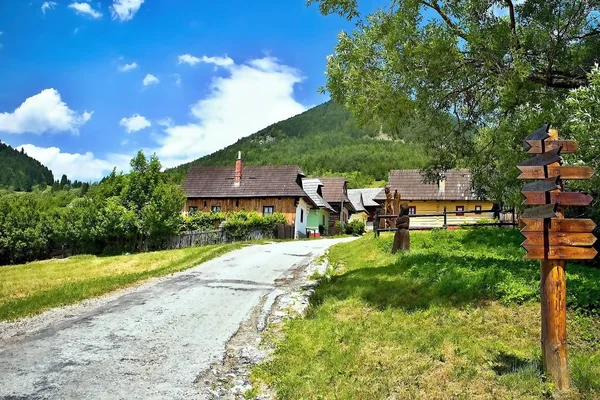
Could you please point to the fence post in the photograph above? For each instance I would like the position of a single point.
(376, 225)
(445, 219)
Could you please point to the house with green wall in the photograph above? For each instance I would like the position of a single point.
(319, 214)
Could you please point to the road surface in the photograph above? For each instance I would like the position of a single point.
(151, 341)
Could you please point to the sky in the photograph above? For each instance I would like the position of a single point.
(85, 84)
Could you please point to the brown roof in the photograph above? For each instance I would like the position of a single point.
(311, 187)
(257, 181)
(333, 190)
(409, 182)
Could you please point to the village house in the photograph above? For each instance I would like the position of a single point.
(319, 214)
(363, 201)
(265, 189)
(335, 192)
(453, 193)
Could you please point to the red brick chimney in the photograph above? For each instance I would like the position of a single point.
(238, 170)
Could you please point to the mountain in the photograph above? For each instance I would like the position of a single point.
(325, 140)
(21, 172)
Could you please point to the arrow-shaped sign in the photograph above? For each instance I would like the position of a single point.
(559, 225)
(565, 172)
(547, 211)
(541, 160)
(568, 146)
(559, 252)
(547, 185)
(559, 239)
(540, 133)
(562, 198)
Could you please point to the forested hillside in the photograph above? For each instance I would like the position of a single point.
(325, 140)
(21, 172)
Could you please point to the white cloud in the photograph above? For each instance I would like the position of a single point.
(135, 123)
(252, 96)
(125, 10)
(85, 8)
(44, 112)
(188, 59)
(80, 166)
(150, 80)
(48, 5)
(177, 79)
(218, 61)
(128, 67)
(75, 31)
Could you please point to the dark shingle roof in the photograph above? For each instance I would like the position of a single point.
(367, 196)
(257, 181)
(409, 182)
(311, 187)
(356, 199)
(333, 190)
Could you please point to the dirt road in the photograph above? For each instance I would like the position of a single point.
(151, 341)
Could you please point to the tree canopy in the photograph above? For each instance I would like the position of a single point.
(497, 68)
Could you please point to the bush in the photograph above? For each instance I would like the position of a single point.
(201, 221)
(339, 228)
(239, 224)
(356, 228)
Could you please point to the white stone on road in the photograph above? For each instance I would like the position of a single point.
(151, 341)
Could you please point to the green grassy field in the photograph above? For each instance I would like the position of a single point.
(457, 318)
(32, 288)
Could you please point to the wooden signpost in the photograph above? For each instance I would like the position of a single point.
(553, 239)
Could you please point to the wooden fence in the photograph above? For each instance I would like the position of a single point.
(447, 219)
(205, 238)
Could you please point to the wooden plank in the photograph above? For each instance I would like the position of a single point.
(559, 225)
(565, 172)
(544, 159)
(547, 211)
(567, 146)
(540, 133)
(535, 252)
(560, 239)
(562, 198)
(546, 185)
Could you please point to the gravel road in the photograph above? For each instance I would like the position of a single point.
(148, 342)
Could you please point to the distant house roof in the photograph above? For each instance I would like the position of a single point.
(334, 191)
(257, 181)
(368, 195)
(356, 199)
(409, 183)
(311, 187)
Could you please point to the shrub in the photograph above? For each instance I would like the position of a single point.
(201, 221)
(239, 224)
(339, 227)
(356, 228)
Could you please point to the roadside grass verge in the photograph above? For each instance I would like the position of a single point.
(34, 287)
(456, 318)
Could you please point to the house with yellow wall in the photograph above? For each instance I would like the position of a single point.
(454, 193)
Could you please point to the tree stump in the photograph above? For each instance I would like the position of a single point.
(402, 236)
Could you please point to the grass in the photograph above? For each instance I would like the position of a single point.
(457, 318)
(34, 287)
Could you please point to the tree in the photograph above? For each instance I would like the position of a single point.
(484, 73)
(143, 179)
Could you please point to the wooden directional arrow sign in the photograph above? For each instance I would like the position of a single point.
(540, 133)
(562, 198)
(547, 211)
(560, 239)
(559, 225)
(559, 252)
(564, 172)
(549, 157)
(546, 185)
(567, 146)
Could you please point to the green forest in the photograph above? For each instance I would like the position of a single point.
(325, 140)
(20, 172)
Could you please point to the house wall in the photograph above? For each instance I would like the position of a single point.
(284, 205)
(335, 216)
(361, 216)
(302, 212)
(437, 207)
(316, 217)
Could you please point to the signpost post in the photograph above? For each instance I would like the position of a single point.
(553, 239)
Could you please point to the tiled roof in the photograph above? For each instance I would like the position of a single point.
(311, 187)
(367, 196)
(333, 189)
(409, 182)
(356, 199)
(257, 181)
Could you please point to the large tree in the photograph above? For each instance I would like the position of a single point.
(485, 73)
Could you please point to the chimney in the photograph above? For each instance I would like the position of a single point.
(237, 179)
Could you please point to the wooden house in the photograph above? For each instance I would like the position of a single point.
(335, 192)
(265, 189)
(319, 214)
(453, 193)
(364, 202)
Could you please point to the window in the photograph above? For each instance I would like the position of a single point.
(301, 215)
(477, 209)
(268, 210)
(193, 209)
(215, 209)
(323, 220)
(459, 211)
(204, 203)
(237, 202)
(412, 210)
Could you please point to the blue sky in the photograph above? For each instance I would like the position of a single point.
(84, 85)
